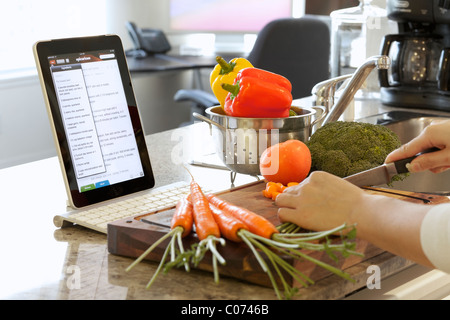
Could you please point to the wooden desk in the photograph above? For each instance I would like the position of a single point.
(163, 62)
(167, 63)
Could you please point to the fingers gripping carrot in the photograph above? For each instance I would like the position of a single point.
(255, 223)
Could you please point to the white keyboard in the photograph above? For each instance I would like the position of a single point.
(98, 216)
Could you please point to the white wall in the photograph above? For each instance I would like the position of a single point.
(145, 13)
(24, 128)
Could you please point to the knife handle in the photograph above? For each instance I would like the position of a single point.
(400, 165)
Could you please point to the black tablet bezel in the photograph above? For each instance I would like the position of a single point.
(45, 49)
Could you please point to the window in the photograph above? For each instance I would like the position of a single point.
(23, 22)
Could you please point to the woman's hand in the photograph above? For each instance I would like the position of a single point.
(321, 202)
(437, 134)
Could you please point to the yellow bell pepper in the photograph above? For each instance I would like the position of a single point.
(225, 72)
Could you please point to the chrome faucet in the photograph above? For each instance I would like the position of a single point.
(324, 91)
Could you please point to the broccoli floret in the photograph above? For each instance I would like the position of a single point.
(398, 177)
(339, 163)
(358, 166)
(344, 148)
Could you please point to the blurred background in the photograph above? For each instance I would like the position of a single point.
(24, 128)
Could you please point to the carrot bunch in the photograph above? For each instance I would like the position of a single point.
(266, 240)
(181, 226)
(215, 218)
(190, 211)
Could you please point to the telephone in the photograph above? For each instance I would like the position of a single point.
(146, 41)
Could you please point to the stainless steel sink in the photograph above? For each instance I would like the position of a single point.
(408, 125)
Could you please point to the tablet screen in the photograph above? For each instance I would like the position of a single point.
(96, 119)
(101, 128)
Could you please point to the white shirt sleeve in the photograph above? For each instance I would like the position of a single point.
(435, 236)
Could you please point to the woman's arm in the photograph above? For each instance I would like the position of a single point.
(324, 201)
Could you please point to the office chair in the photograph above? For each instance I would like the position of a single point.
(297, 48)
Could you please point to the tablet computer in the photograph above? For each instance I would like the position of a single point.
(94, 118)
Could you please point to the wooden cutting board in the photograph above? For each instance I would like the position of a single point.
(132, 236)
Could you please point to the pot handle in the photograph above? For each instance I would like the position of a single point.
(207, 120)
(324, 113)
(385, 48)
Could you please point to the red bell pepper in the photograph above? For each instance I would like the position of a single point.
(258, 93)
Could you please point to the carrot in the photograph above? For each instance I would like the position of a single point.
(206, 228)
(229, 225)
(256, 224)
(273, 189)
(274, 195)
(183, 216)
(203, 218)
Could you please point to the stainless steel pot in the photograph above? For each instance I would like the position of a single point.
(241, 141)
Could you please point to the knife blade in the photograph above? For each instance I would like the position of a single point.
(383, 174)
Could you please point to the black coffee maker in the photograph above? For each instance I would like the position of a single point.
(419, 76)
